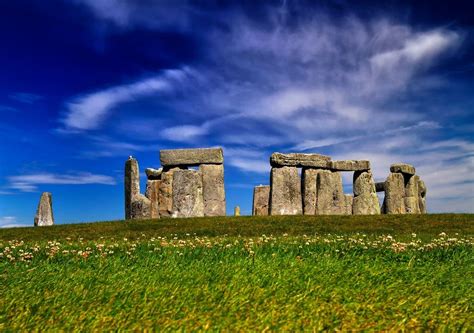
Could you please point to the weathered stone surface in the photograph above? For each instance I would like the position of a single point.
(140, 208)
(44, 212)
(153, 174)
(403, 168)
(350, 165)
(412, 205)
(411, 195)
(380, 187)
(422, 196)
(187, 194)
(363, 183)
(331, 199)
(213, 189)
(237, 211)
(285, 196)
(394, 202)
(152, 190)
(132, 184)
(165, 192)
(300, 160)
(261, 200)
(349, 203)
(310, 192)
(191, 157)
(366, 204)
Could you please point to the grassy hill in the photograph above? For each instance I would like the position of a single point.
(246, 273)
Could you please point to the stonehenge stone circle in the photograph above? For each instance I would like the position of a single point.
(261, 198)
(320, 190)
(175, 191)
(44, 212)
(285, 193)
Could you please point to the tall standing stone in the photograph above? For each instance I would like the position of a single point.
(394, 202)
(365, 201)
(165, 191)
(187, 194)
(285, 196)
(152, 190)
(140, 208)
(422, 196)
(44, 213)
(261, 200)
(310, 191)
(331, 199)
(132, 184)
(411, 195)
(213, 189)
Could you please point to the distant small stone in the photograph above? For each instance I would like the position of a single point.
(44, 213)
(237, 211)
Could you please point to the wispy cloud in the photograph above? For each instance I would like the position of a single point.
(26, 98)
(30, 182)
(89, 111)
(10, 222)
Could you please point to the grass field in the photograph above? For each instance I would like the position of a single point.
(269, 273)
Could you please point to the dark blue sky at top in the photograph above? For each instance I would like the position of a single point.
(233, 63)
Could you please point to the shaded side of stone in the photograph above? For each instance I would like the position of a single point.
(153, 174)
(411, 195)
(44, 212)
(300, 160)
(394, 202)
(191, 157)
(331, 199)
(140, 208)
(132, 184)
(310, 191)
(380, 187)
(152, 190)
(403, 168)
(187, 194)
(261, 200)
(285, 196)
(350, 165)
(422, 196)
(213, 189)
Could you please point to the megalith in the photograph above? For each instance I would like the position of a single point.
(309, 190)
(165, 191)
(261, 200)
(152, 191)
(285, 196)
(365, 201)
(213, 189)
(187, 194)
(191, 157)
(412, 194)
(331, 199)
(300, 160)
(132, 184)
(44, 212)
(394, 202)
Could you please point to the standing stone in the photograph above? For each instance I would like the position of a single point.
(331, 199)
(422, 196)
(140, 208)
(285, 196)
(132, 184)
(366, 201)
(411, 195)
(191, 157)
(310, 191)
(44, 213)
(394, 202)
(213, 189)
(237, 211)
(152, 190)
(165, 192)
(349, 203)
(187, 194)
(261, 200)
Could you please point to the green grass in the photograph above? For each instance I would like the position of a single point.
(277, 273)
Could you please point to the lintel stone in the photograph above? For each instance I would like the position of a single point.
(191, 157)
(350, 165)
(300, 160)
(403, 168)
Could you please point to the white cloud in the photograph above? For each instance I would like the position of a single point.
(184, 133)
(10, 222)
(89, 111)
(29, 183)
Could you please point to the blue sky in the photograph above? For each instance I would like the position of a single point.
(86, 83)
